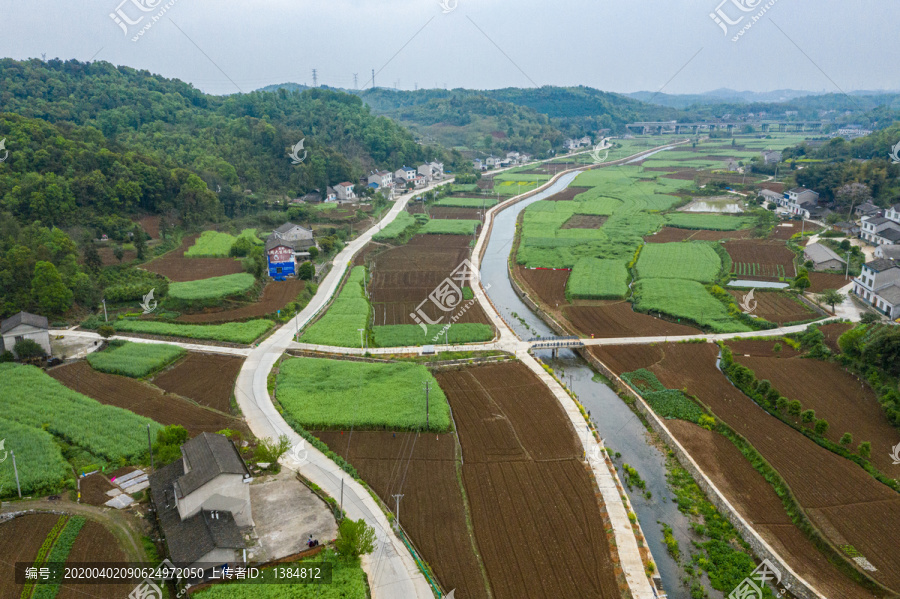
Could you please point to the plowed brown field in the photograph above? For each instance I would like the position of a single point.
(846, 402)
(404, 276)
(617, 319)
(275, 296)
(142, 398)
(20, 540)
(208, 379)
(548, 285)
(833, 332)
(786, 230)
(423, 468)
(759, 505)
(568, 193)
(175, 267)
(776, 307)
(771, 259)
(845, 503)
(670, 234)
(537, 522)
(820, 281)
(95, 544)
(453, 212)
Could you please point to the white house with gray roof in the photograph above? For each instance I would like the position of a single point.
(823, 257)
(879, 286)
(24, 326)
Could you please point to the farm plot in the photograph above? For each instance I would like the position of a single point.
(176, 267)
(42, 469)
(760, 259)
(846, 402)
(833, 332)
(275, 296)
(776, 307)
(820, 281)
(760, 506)
(690, 261)
(845, 503)
(232, 332)
(213, 244)
(456, 202)
(142, 398)
(525, 482)
(214, 288)
(442, 213)
(670, 234)
(397, 228)
(617, 319)
(136, 360)
(34, 399)
(423, 468)
(548, 284)
(715, 222)
(348, 313)
(408, 335)
(592, 278)
(785, 231)
(95, 544)
(685, 299)
(208, 379)
(339, 394)
(585, 221)
(450, 227)
(20, 541)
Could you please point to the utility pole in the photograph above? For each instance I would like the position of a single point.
(847, 274)
(150, 445)
(362, 341)
(342, 498)
(16, 470)
(105, 319)
(397, 499)
(356, 80)
(416, 85)
(315, 78)
(427, 389)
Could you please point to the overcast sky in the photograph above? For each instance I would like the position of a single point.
(222, 46)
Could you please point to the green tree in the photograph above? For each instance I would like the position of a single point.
(241, 247)
(48, 290)
(802, 282)
(306, 271)
(355, 538)
(864, 449)
(106, 331)
(85, 291)
(118, 252)
(140, 242)
(313, 252)
(794, 407)
(271, 450)
(255, 263)
(92, 257)
(781, 403)
(808, 415)
(168, 444)
(27, 348)
(846, 439)
(831, 297)
(821, 427)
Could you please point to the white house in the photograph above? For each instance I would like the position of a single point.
(345, 191)
(771, 156)
(287, 246)
(382, 178)
(478, 165)
(888, 252)
(330, 194)
(24, 326)
(492, 161)
(202, 501)
(425, 171)
(879, 230)
(404, 174)
(879, 286)
(437, 170)
(800, 201)
(893, 213)
(771, 196)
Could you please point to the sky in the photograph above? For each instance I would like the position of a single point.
(673, 46)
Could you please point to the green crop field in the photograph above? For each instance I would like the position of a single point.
(696, 261)
(348, 313)
(487, 202)
(401, 225)
(348, 581)
(593, 278)
(339, 394)
(212, 244)
(31, 397)
(136, 360)
(450, 226)
(714, 222)
(212, 288)
(232, 332)
(685, 299)
(404, 335)
(42, 469)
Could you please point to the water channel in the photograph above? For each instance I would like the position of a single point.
(621, 430)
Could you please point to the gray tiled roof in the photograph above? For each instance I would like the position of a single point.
(190, 539)
(881, 265)
(890, 294)
(207, 456)
(820, 253)
(878, 220)
(892, 235)
(891, 251)
(298, 245)
(24, 318)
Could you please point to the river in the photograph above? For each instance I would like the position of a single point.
(621, 430)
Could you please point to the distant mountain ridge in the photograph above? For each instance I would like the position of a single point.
(731, 96)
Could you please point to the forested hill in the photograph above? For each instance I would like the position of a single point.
(234, 143)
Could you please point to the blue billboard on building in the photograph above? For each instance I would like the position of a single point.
(281, 262)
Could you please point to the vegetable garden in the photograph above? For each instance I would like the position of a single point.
(136, 360)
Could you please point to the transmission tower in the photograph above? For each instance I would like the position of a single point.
(315, 78)
(356, 80)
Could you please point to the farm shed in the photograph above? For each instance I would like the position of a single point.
(24, 326)
(823, 257)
